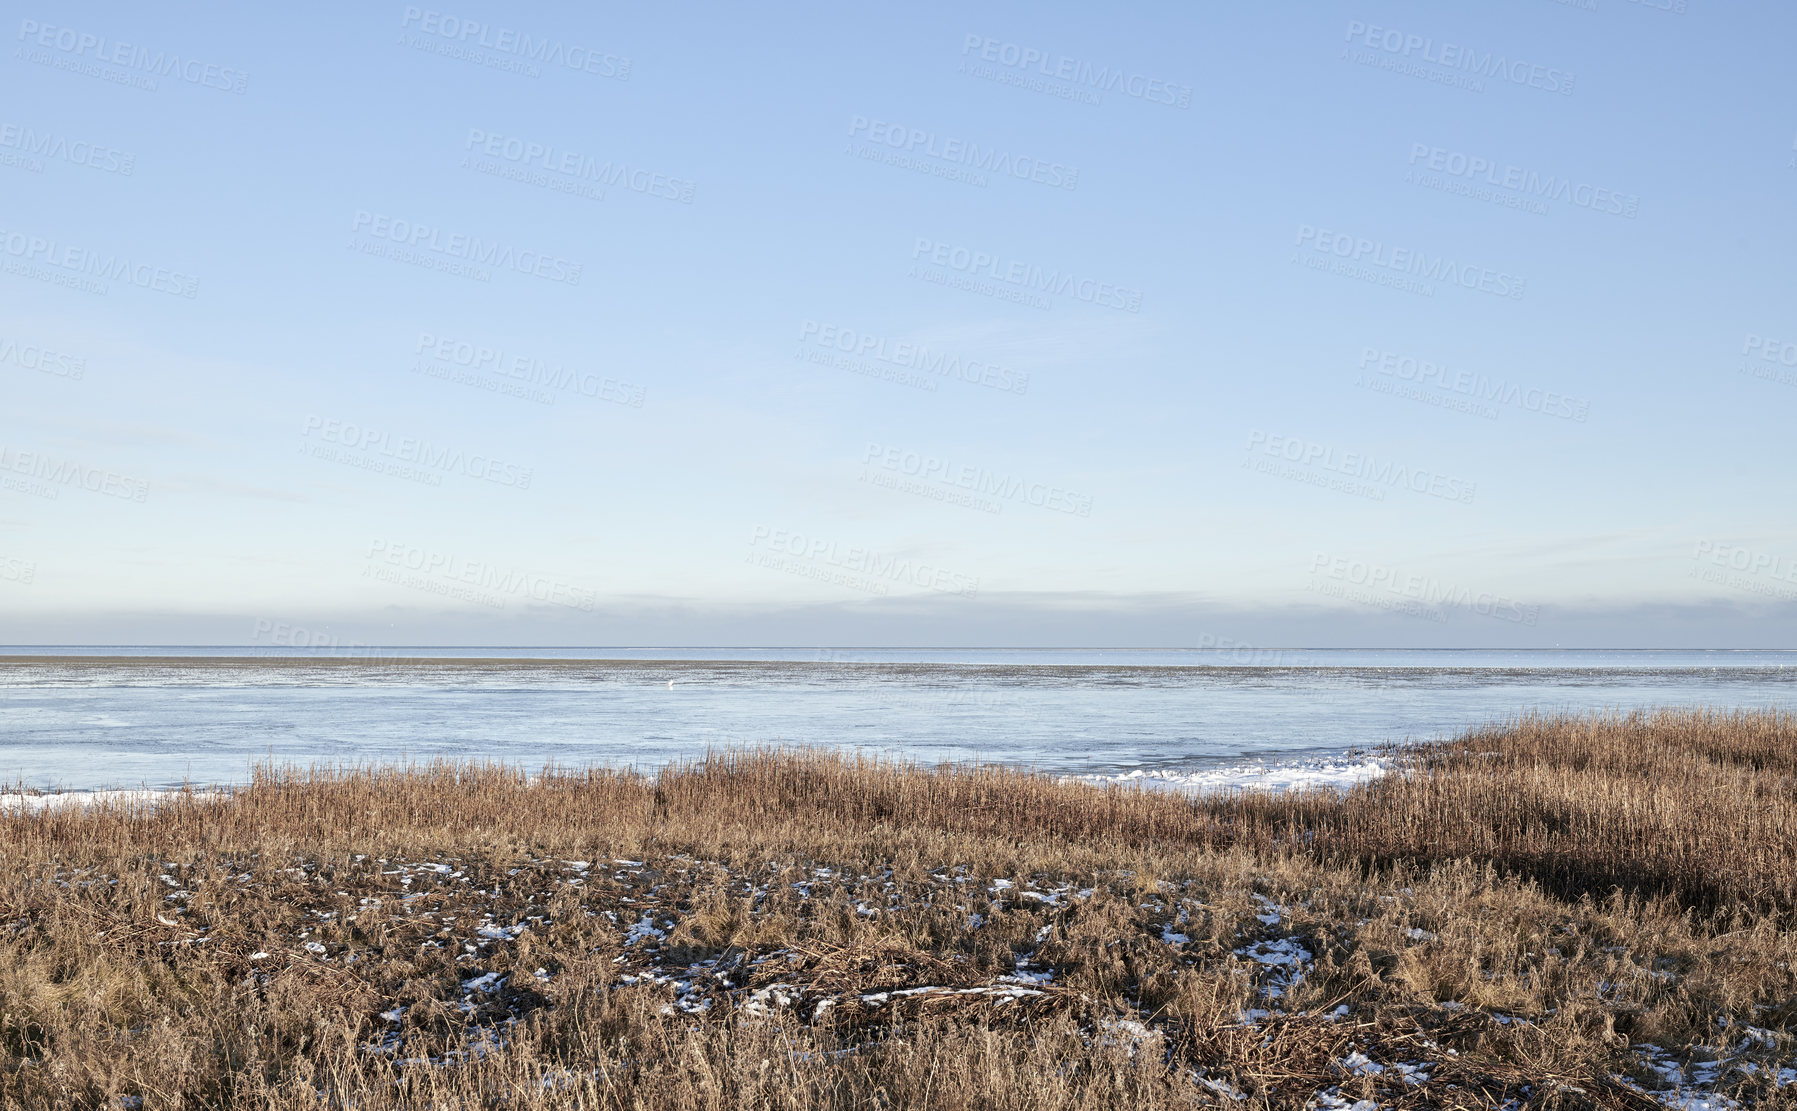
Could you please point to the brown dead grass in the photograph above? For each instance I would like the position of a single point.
(1514, 912)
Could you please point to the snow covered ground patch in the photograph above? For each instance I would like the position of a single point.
(1337, 773)
(60, 800)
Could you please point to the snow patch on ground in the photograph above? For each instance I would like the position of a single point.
(60, 800)
(1690, 1087)
(642, 931)
(1292, 775)
(1279, 953)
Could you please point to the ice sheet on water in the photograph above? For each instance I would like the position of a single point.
(209, 718)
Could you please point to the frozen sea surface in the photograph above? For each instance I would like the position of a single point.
(108, 718)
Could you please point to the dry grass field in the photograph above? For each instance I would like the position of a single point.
(1555, 913)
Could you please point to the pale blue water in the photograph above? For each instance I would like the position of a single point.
(161, 716)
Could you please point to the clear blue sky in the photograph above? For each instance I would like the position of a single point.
(525, 324)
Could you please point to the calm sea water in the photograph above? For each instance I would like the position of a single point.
(81, 718)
